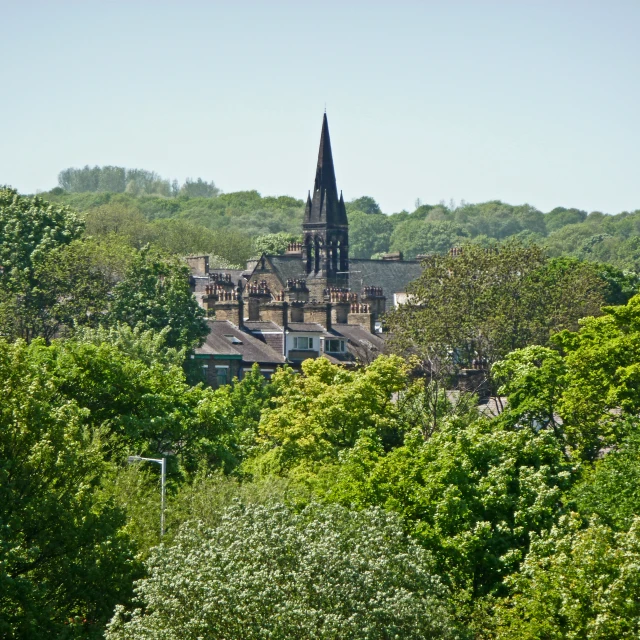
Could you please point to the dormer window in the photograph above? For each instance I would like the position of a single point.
(333, 346)
(303, 343)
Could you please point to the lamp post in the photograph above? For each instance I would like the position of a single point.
(163, 477)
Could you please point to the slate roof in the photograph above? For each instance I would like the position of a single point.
(288, 267)
(358, 335)
(215, 344)
(267, 332)
(250, 348)
(307, 327)
(262, 326)
(392, 275)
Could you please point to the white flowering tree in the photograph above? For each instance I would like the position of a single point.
(268, 572)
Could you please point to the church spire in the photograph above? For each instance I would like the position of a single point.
(326, 207)
(325, 173)
(325, 223)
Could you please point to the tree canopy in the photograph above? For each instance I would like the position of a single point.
(323, 573)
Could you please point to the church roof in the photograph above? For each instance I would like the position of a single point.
(392, 275)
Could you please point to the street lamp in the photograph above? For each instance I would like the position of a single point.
(163, 477)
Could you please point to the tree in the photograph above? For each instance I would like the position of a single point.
(30, 229)
(416, 237)
(155, 294)
(269, 572)
(471, 494)
(621, 285)
(610, 487)
(369, 234)
(475, 307)
(274, 243)
(63, 561)
(366, 204)
(586, 393)
(137, 398)
(576, 582)
(199, 189)
(318, 414)
(561, 217)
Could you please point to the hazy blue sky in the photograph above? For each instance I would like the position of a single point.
(526, 101)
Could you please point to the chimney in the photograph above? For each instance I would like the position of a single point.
(296, 311)
(340, 312)
(319, 312)
(226, 304)
(258, 294)
(199, 265)
(297, 290)
(375, 299)
(392, 256)
(294, 249)
(231, 310)
(361, 314)
(276, 312)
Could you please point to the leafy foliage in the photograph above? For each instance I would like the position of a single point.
(325, 573)
(30, 230)
(576, 583)
(472, 494)
(155, 294)
(478, 306)
(610, 488)
(63, 561)
(320, 413)
(274, 243)
(585, 395)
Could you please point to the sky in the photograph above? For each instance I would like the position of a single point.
(530, 101)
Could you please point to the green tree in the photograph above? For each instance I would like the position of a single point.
(421, 237)
(155, 294)
(471, 494)
(274, 243)
(320, 413)
(199, 189)
(610, 487)
(30, 229)
(479, 305)
(369, 233)
(366, 204)
(585, 394)
(63, 561)
(269, 572)
(578, 583)
(561, 217)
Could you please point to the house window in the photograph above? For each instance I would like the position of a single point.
(222, 375)
(334, 346)
(205, 371)
(303, 343)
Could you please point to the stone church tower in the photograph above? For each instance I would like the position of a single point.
(325, 250)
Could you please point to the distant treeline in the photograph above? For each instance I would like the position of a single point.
(196, 217)
(132, 181)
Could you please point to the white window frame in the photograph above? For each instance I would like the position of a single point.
(296, 343)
